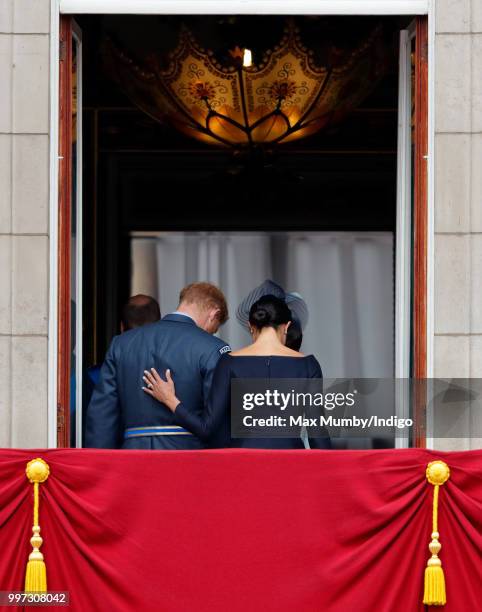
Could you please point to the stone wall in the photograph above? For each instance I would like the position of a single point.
(24, 192)
(458, 194)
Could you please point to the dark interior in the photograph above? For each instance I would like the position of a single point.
(141, 174)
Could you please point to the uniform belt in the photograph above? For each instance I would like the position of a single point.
(156, 430)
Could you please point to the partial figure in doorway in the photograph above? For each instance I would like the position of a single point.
(139, 310)
(120, 414)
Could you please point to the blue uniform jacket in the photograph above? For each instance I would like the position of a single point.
(118, 401)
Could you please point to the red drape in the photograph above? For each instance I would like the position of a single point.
(238, 531)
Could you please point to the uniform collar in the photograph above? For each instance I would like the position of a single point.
(179, 317)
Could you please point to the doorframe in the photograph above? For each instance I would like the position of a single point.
(53, 223)
(424, 201)
(422, 228)
(247, 7)
(59, 279)
(404, 230)
(77, 37)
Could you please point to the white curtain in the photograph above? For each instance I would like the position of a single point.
(347, 282)
(346, 279)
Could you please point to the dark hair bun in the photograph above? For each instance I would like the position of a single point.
(261, 317)
(269, 311)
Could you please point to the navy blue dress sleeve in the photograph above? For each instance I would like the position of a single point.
(212, 423)
(314, 371)
(314, 368)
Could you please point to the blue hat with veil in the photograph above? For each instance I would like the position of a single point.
(294, 301)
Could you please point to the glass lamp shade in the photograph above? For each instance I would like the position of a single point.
(282, 98)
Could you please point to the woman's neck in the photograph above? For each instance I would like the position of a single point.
(268, 339)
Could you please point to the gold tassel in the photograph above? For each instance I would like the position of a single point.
(437, 473)
(36, 575)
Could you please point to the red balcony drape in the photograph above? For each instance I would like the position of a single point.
(238, 531)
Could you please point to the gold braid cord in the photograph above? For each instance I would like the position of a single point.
(437, 474)
(36, 575)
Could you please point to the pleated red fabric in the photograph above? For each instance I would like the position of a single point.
(244, 530)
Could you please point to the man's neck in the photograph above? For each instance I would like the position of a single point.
(187, 312)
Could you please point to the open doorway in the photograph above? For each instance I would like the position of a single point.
(319, 214)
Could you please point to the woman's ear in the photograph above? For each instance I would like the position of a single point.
(286, 327)
(285, 337)
(252, 331)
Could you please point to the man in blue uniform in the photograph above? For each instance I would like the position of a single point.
(120, 414)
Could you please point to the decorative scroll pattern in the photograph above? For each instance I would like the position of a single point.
(285, 96)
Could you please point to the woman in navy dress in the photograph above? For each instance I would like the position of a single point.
(267, 357)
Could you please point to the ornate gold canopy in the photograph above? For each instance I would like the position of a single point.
(284, 97)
